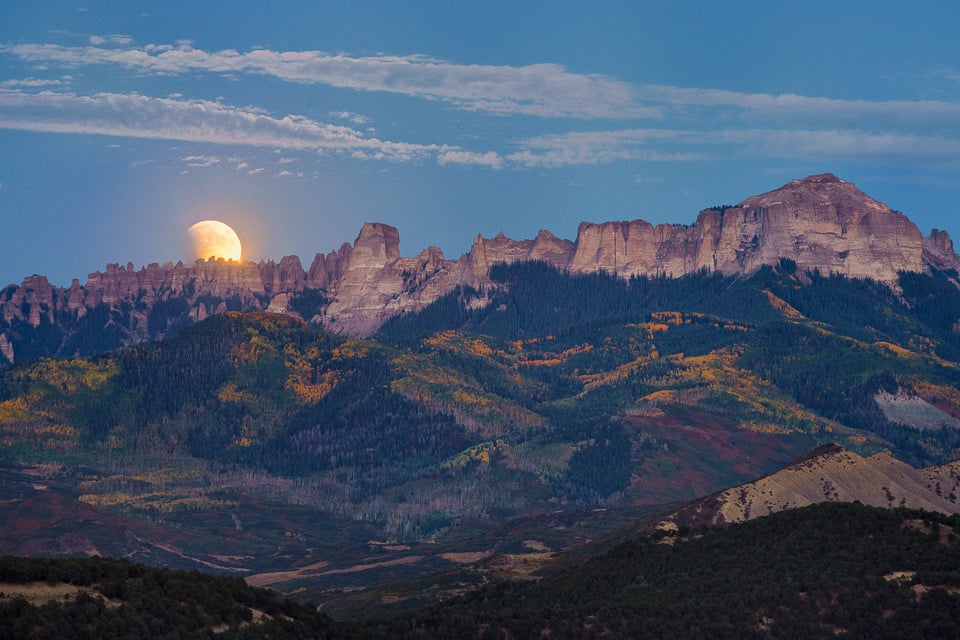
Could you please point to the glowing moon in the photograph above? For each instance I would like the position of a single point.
(214, 239)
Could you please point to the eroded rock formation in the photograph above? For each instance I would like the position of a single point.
(820, 222)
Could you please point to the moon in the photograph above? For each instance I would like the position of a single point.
(214, 239)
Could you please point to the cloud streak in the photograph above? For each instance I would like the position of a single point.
(676, 145)
(545, 90)
(903, 114)
(137, 116)
(691, 124)
(204, 121)
(490, 159)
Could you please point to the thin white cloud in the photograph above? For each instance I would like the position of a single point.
(850, 145)
(694, 124)
(547, 90)
(137, 116)
(602, 147)
(907, 114)
(114, 38)
(354, 118)
(585, 148)
(29, 83)
(200, 160)
(489, 159)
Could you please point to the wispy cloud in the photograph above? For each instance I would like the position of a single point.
(137, 116)
(29, 83)
(354, 118)
(200, 161)
(692, 124)
(796, 109)
(489, 159)
(601, 147)
(112, 39)
(547, 90)
(674, 145)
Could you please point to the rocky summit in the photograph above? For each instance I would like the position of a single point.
(820, 222)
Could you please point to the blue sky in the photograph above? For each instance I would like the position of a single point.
(123, 123)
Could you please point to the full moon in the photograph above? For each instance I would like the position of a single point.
(214, 239)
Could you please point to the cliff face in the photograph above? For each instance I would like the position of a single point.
(820, 222)
(374, 283)
(827, 224)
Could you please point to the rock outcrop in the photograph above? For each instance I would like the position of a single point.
(820, 222)
(374, 283)
(938, 251)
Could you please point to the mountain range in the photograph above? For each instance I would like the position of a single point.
(820, 223)
(538, 397)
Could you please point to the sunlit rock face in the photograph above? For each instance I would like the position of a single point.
(287, 276)
(635, 247)
(370, 282)
(820, 222)
(546, 247)
(222, 278)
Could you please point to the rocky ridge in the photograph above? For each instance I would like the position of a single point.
(820, 222)
(831, 473)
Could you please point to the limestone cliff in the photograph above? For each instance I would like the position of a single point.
(820, 222)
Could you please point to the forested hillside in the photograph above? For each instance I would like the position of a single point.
(105, 598)
(566, 393)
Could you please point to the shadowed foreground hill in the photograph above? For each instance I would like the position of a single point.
(834, 569)
(105, 598)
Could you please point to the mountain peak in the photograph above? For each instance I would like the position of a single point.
(818, 178)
